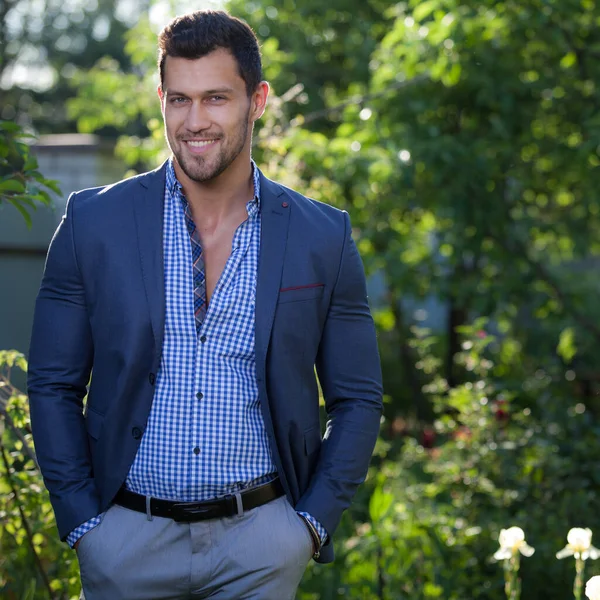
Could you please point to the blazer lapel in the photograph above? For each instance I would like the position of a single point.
(275, 216)
(148, 207)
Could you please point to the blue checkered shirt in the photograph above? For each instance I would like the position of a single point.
(205, 435)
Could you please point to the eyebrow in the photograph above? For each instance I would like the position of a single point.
(223, 90)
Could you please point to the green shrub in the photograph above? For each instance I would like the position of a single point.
(33, 561)
(498, 454)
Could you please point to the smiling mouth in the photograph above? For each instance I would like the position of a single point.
(200, 143)
(199, 147)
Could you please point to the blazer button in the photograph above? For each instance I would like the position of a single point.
(151, 378)
(136, 432)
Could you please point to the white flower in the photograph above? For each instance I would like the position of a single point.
(512, 541)
(592, 588)
(579, 545)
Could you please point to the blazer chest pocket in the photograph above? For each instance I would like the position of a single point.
(302, 292)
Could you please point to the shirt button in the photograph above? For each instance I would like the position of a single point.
(203, 339)
(196, 450)
(136, 432)
(199, 395)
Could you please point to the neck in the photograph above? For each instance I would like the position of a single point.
(220, 196)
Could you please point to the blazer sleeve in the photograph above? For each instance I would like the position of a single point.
(349, 371)
(60, 362)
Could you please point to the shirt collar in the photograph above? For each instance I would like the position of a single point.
(174, 187)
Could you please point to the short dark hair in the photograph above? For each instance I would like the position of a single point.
(199, 33)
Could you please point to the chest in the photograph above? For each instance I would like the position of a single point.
(216, 252)
(226, 261)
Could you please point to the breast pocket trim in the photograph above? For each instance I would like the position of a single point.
(301, 292)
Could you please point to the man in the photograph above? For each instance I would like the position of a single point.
(200, 297)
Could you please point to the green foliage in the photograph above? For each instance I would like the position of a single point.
(21, 184)
(467, 162)
(44, 42)
(493, 458)
(33, 561)
(324, 49)
(107, 85)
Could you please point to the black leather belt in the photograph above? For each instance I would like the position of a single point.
(189, 512)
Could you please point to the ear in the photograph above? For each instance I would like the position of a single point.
(161, 96)
(258, 101)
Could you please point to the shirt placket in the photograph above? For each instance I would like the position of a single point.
(209, 442)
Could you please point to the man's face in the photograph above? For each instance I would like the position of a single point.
(208, 114)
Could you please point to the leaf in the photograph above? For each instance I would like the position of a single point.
(566, 348)
(568, 60)
(424, 9)
(9, 126)
(41, 197)
(31, 163)
(22, 210)
(379, 504)
(27, 200)
(52, 184)
(12, 185)
(21, 362)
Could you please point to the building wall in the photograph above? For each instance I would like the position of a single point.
(76, 162)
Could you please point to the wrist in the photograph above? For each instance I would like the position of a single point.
(316, 538)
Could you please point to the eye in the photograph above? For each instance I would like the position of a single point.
(218, 98)
(177, 100)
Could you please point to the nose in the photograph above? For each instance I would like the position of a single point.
(197, 118)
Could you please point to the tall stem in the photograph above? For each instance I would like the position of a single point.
(516, 586)
(512, 585)
(578, 585)
(507, 579)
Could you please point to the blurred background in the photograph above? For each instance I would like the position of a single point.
(463, 137)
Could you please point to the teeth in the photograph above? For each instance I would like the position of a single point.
(201, 144)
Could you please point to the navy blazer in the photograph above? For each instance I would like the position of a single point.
(101, 308)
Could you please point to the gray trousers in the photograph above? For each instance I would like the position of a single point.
(261, 555)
